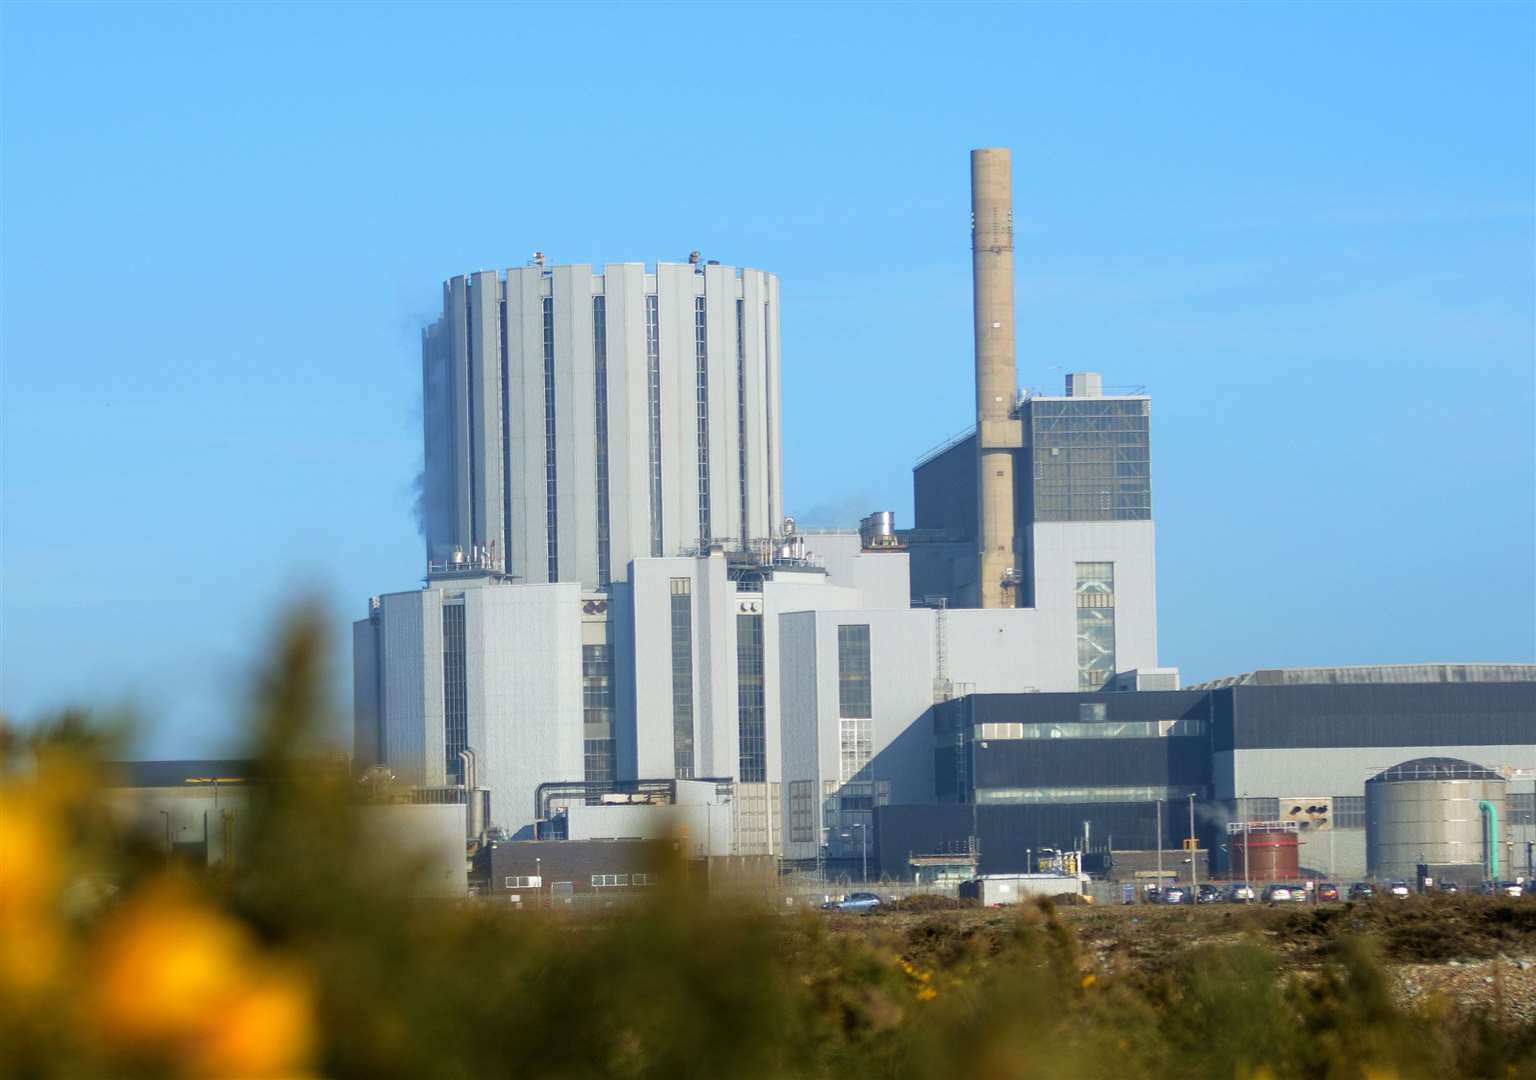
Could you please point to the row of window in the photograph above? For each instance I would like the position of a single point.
(599, 881)
(1127, 729)
(602, 881)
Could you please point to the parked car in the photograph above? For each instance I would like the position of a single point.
(1450, 888)
(1362, 890)
(1175, 894)
(1400, 890)
(1240, 894)
(1502, 888)
(1277, 894)
(1208, 894)
(1327, 890)
(856, 901)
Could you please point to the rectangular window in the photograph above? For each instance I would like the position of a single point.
(597, 711)
(1091, 459)
(1096, 713)
(653, 412)
(527, 882)
(600, 393)
(749, 699)
(643, 879)
(1522, 807)
(802, 811)
(1095, 625)
(741, 412)
(601, 881)
(701, 393)
(455, 692)
(855, 712)
(1348, 811)
(551, 505)
(682, 678)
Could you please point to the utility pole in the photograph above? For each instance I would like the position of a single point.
(1194, 846)
(1159, 844)
(1246, 884)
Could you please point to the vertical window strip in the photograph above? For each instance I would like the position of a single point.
(682, 678)
(768, 402)
(597, 712)
(600, 393)
(504, 559)
(741, 412)
(854, 701)
(1095, 625)
(551, 505)
(455, 692)
(701, 370)
(749, 699)
(653, 403)
(472, 399)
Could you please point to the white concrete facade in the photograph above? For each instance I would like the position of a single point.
(916, 655)
(577, 418)
(521, 689)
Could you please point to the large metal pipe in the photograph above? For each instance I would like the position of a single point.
(997, 433)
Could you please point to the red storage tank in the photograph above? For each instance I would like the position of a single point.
(1275, 855)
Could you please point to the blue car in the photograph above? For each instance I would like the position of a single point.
(856, 901)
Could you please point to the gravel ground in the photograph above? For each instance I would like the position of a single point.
(1506, 987)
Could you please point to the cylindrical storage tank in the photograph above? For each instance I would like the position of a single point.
(878, 529)
(1429, 810)
(1261, 854)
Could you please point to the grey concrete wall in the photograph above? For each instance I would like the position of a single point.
(486, 429)
(799, 720)
(366, 732)
(411, 638)
(523, 651)
(1131, 546)
(1272, 773)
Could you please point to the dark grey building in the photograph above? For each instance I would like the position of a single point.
(1019, 771)
(1084, 458)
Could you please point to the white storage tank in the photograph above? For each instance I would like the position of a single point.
(1445, 813)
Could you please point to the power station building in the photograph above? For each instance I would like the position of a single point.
(614, 595)
(615, 602)
(577, 419)
(1297, 749)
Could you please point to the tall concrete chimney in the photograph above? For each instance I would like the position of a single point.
(998, 434)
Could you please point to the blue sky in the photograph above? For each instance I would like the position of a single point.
(1307, 230)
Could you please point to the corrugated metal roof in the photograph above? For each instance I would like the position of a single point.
(1376, 674)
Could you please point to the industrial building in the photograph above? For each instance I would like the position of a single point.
(615, 602)
(1300, 750)
(578, 418)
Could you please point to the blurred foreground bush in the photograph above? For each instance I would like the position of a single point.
(302, 961)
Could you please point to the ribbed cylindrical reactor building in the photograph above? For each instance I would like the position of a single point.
(578, 417)
(1444, 813)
